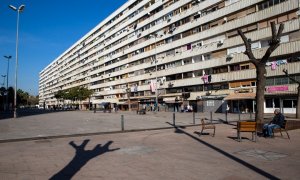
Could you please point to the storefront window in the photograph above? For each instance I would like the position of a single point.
(269, 103)
(288, 103)
(276, 103)
(272, 102)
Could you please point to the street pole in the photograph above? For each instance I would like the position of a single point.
(20, 9)
(156, 85)
(7, 72)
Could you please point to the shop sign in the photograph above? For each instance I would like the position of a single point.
(277, 88)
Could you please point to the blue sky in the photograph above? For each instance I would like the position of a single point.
(47, 29)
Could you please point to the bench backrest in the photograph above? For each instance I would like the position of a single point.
(246, 126)
(284, 124)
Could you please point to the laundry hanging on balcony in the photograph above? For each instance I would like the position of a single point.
(206, 79)
(153, 85)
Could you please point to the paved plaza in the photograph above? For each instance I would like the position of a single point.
(166, 153)
(86, 122)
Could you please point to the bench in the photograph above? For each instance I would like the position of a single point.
(141, 111)
(244, 126)
(283, 128)
(209, 126)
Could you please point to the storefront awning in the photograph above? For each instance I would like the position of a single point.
(240, 96)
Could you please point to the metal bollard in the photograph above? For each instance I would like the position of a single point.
(210, 116)
(122, 122)
(226, 117)
(194, 117)
(173, 119)
(94, 108)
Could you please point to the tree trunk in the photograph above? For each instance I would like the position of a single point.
(260, 93)
(298, 104)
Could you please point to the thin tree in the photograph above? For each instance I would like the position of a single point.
(260, 65)
(298, 96)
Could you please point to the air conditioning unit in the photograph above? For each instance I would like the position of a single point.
(225, 19)
(220, 43)
(169, 18)
(229, 57)
(198, 97)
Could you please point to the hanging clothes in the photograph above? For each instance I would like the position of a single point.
(205, 78)
(153, 86)
(273, 65)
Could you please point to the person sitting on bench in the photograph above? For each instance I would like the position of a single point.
(276, 122)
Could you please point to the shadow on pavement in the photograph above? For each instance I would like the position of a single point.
(81, 158)
(228, 155)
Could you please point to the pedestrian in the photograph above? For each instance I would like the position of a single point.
(277, 122)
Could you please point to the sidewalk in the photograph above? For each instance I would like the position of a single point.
(160, 154)
(76, 123)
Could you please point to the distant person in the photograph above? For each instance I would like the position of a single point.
(277, 122)
(227, 108)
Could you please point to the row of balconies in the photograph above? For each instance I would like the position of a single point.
(285, 48)
(228, 24)
(187, 40)
(257, 35)
(226, 27)
(216, 78)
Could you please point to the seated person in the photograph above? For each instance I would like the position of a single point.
(276, 122)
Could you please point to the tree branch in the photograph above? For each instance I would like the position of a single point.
(274, 43)
(287, 74)
(248, 51)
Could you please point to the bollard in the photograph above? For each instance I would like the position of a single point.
(122, 122)
(226, 117)
(194, 118)
(173, 119)
(95, 108)
(210, 116)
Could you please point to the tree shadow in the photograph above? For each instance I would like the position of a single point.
(228, 155)
(81, 158)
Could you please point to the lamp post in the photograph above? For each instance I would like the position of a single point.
(7, 58)
(20, 9)
(4, 76)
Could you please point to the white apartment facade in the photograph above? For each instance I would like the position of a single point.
(188, 49)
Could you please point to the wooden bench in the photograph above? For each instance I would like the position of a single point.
(209, 126)
(141, 111)
(244, 126)
(283, 128)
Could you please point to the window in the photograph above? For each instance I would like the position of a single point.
(288, 103)
(210, 103)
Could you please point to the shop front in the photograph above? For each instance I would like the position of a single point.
(239, 102)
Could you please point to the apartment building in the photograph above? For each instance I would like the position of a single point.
(180, 53)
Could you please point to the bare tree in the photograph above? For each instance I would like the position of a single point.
(260, 65)
(298, 88)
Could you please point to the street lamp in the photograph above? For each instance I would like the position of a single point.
(8, 58)
(19, 10)
(4, 76)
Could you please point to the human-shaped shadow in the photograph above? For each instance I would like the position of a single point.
(81, 158)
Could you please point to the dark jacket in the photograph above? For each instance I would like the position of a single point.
(278, 119)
